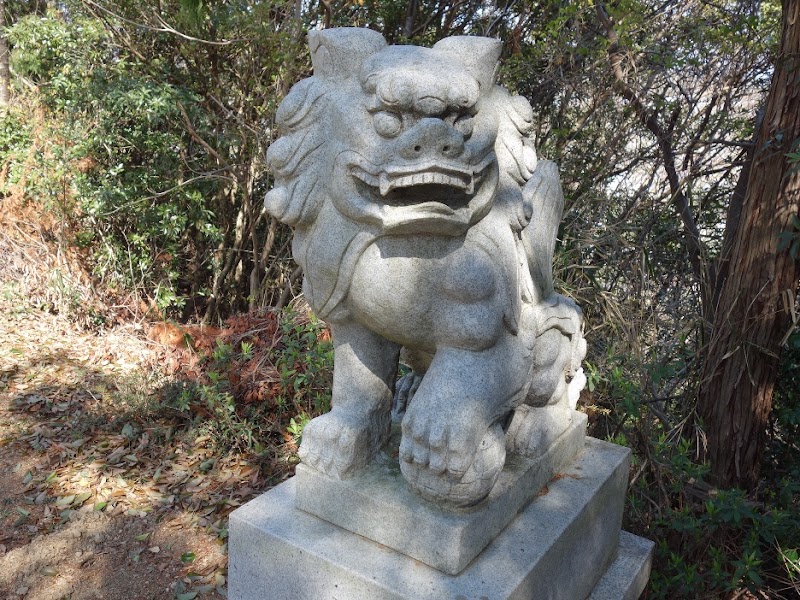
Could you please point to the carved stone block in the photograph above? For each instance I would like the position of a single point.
(377, 504)
(565, 545)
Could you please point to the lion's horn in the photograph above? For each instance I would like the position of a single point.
(338, 53)
(478, 54)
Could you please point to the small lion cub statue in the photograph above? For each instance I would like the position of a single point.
(424, 222)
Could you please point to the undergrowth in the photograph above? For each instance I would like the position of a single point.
(253, 387)
(44, 263)
(710, 543)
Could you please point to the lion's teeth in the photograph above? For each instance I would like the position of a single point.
(368, 179)
(387, 183)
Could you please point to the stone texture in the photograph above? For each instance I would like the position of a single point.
(424, 219)
(627, 576)
(557, 548)
(425, 222)
(378, 504)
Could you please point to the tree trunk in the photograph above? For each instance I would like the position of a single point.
(411, 14)
(5, 72)
(754, 312)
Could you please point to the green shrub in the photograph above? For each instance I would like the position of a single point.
(119, 163)
(710, 543)
(289, 383)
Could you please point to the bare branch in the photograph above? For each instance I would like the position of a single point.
(164, 26)
(200, 140)
(616, 57)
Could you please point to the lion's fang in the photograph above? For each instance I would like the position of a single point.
(385, 184)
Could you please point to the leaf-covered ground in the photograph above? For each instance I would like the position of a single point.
(107, 490)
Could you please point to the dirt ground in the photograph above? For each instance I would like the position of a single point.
(98, 499)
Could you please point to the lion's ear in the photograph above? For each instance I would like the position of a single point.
(338, 53)
(478, 54)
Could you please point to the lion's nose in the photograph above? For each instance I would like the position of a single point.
(431, 138)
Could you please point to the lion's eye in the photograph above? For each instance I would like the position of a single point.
(464, 124)
(387, 124)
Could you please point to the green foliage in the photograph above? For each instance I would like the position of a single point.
(118, 172)
(53, 51)
(15, 143)
(726, 543)
(303, 362)
(157, 156)
(710, 543)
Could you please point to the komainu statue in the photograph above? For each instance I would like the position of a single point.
(424, 222)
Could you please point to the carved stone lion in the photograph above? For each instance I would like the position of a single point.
(424, 220)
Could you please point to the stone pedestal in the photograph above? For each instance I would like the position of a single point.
(379, 505)
(565, 544)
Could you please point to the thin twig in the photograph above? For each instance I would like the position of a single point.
(200, 140)
(165, 27)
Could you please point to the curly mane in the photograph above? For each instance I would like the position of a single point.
(295, 199)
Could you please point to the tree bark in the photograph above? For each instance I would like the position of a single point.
(411, 14)
(754, 312)
(721, 266)
(5, 72)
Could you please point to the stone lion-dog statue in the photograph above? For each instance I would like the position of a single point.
(425, 222)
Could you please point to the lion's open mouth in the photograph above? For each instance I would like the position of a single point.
(419, 193)
(451, 186)
(462, 182)
(435, 196)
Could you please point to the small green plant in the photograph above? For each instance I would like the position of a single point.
(305, 364)
(296, 426)
(247, 349)
(222, 354)
(217, 404)
(15, 301)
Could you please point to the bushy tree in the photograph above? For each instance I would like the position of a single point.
(170, 130)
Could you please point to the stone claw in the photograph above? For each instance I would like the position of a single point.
(437, 463)
(455, 477)
(445, 446)
(405, 389)
(339, 443)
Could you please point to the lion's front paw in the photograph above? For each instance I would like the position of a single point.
(447, 459)
(435, 442)
(460, 490)
(339, 443)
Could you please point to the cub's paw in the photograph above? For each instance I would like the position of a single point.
(404, 392)
(534, 429)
